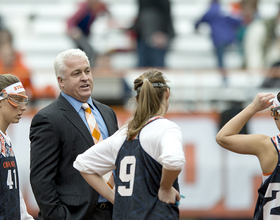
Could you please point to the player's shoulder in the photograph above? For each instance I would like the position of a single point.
(165, 121)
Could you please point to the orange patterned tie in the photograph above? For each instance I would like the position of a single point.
(96, 135)
(93, 126)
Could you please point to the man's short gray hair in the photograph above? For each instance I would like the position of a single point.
(59, 62)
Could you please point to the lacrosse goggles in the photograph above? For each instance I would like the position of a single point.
(11, 93)
(275, 109)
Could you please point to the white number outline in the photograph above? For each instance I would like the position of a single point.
(10, 182)
(273, 203)
(125, 177)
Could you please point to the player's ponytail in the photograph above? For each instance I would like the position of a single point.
(150, 87)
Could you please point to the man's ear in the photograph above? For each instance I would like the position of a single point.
(60, 81)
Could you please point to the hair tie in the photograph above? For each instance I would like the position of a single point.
(145, 80)
(155, 85)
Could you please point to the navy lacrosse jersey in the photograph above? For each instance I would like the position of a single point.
(137, 181)
(9, 185)
(268, 203)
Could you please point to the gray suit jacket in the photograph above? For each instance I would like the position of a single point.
(57, 136)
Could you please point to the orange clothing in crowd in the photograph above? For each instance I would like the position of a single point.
(18, 69)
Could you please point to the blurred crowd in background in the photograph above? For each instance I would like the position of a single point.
(11, 61)
(238, 27)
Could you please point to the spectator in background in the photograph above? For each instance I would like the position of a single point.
(272, 44)
(80, 22)
(243, 9)
(11, 62)
(272, 78)
(272, 26)
(254, 36)
(154, 31)
(223, 31)
(6, 36)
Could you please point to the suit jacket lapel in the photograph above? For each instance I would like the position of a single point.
(70, 113)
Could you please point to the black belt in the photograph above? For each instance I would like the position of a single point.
(104, 205)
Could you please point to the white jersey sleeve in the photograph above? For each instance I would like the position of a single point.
(162, 140)
(100, 158)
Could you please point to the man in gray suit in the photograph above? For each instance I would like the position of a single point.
(58, 133)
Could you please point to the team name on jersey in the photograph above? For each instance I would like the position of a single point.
(9, 164)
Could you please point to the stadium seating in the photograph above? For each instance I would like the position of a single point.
(39, 28)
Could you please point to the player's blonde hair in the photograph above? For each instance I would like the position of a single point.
(150, 87)
(7, 79)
